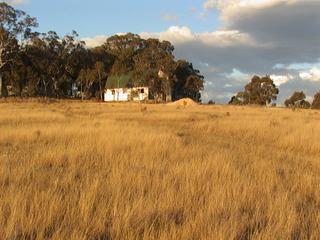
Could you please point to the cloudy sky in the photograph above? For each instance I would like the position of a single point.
(228, 40)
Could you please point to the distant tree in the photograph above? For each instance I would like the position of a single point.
(154, 67)
(56, 63)
(123, 48)
(17, 75)
(260, 91)
(235, 100)
(316, 101)
(101, 75)
(188, 82)
(43, 54)
(99, 54)
(15, 26)
(73, 57)
(151, 63)
(83, 80)
(297, 100)
(86, 79)
(211, 102)
(45, 64)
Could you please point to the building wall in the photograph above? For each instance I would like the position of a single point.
(126, 94)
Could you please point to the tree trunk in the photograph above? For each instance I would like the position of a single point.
(100, 92)
(45, 87)
(81, 91)
(100, 85)
(1, 83)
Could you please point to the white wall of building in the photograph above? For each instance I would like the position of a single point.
(124, 94)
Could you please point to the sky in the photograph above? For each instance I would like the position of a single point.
(229, 41)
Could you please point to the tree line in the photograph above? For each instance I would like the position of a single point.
(45, 64)
(262, 91)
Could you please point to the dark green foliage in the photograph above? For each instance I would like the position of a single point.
(15, 26)
(50, 66)
(189, 81)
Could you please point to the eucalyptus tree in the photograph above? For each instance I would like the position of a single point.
(298, 99)
(189, 82)
(155, 66)
(123, 48)
(74, 57)
(99, 70)
(57, 62)
(260, 91)
(86, 79)
(316, 101)
(44, 62)
(15, 31)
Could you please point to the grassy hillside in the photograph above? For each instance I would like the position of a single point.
(108, 171)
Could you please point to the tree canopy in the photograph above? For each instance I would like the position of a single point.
(298, 99)
(46, 64)
(15, 26)
(316, 101)
(260, 91)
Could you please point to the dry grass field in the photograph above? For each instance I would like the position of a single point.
(71, 170)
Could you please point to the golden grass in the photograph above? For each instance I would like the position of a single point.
(73, 170)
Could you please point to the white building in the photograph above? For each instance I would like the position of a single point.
(118, 89)
(126, 94)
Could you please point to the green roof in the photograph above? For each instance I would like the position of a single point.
(118, 81)
(124, 80)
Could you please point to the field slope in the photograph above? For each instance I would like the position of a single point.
(73, 170)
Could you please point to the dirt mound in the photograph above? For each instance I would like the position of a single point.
(184, 102)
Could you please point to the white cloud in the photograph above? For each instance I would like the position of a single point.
(174, 34)
(309, 98)
(297, 66)
(220, 38)
(238, 76)
(230, 4)
(312, 75)
(179, 35)
(281, 79)
(95, 41)
(223, 95)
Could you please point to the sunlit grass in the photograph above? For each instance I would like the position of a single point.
(73, 170)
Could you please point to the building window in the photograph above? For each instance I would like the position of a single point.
(113, 92)
(142, 90)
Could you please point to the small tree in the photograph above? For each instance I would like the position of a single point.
(297, 100)
(211, 102)
(316, 101)
(188, 81)
(261, 91)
